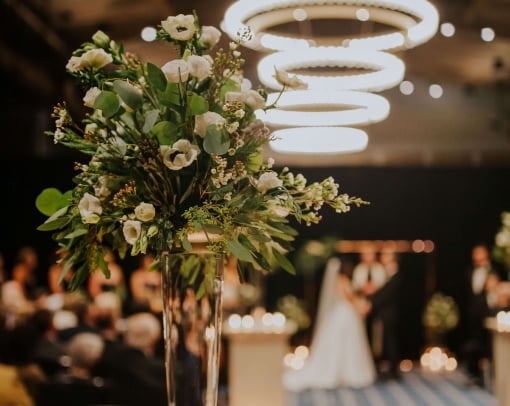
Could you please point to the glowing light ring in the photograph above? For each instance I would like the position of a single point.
(239, 14)
(319, 140)
(389, 70)
(383, 40)
(359, 108)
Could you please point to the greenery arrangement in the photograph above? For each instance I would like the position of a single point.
(441, 314)
(501, 247)
(175, 150)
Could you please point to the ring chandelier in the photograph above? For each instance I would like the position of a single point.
(415, 21)
(303, 108)
(316, 111)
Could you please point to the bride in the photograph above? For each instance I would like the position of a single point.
(339, 354)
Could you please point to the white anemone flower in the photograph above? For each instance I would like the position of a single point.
(179, 155)
(180, 27)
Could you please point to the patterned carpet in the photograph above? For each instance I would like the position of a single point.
(416, 388)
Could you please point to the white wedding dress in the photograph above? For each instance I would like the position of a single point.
(340, 355)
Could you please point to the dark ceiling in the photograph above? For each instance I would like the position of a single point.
(468, 126)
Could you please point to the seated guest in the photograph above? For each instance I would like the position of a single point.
(145, 285)
(99, 283)
(77, 386)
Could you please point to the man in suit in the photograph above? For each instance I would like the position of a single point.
(384, 304)
(477, 304)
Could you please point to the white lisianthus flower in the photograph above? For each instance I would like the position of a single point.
(176, 71)
(210, 35)
(145, 211)
(180, 27)
(202, 121)
(93, 58)
(267, 181)
(132, 230)
(179, 155)
(90, 209)
(503, 238)
(199, 67)
(293, 82)
(90, 96)
(101, 188)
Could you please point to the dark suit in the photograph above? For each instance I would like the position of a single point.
(385, 305)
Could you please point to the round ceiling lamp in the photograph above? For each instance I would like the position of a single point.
(413, 21)
(302, 108)
(383, 70)
(319, 140)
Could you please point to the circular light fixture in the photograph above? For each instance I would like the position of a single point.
(384, 70)
(324, 108)
(415, 22)
(319, 140)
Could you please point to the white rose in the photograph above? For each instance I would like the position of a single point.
(267, 181)
(90, 208)
(90, 96)
(176, 71)
(179, 155)
(93, 58)
(145, 211)
(202, 121)
(131, 230)
(199, 67)
(210, 35)
(180, 27)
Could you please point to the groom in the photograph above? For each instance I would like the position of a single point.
(384, 304)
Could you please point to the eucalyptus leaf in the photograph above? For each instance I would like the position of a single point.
(165, 132)
(108, 103)
(53, 224)
(156, 77)
(284, 262)
(216, 140)
(150, 120)
(171, 95)
(49, 201)
(131, 95)
(197, 104)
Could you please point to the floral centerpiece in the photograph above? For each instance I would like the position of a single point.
(174, 150)
(441, 315)
(501, 247)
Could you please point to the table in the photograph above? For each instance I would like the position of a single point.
(501, 360)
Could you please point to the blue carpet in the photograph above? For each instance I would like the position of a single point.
(416, 388)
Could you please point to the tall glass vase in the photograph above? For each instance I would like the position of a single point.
(192, 317)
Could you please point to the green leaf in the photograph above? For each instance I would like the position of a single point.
(171, 95)
(254, 161)
(50, 200)
(131, 95)
(53, 224)
(150, 119)
(197, 104)
(216, 140)
(76, 233)
(108, 103)
(284, 262)
(238, 250)
(229, 86)
(156, 77)
(165, 132)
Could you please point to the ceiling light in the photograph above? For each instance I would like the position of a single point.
(447, 29)
(406, 87)
(324, 108)
(323, 140)
(383, 70)
(487, 34)
(148, 34)
(415, 22)
(436, 91)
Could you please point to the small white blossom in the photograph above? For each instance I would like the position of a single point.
(180, 27)
(285, 80)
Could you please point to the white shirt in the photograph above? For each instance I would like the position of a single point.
(478, 279)
(360, 275)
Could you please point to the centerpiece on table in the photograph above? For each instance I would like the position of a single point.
(175, 151)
